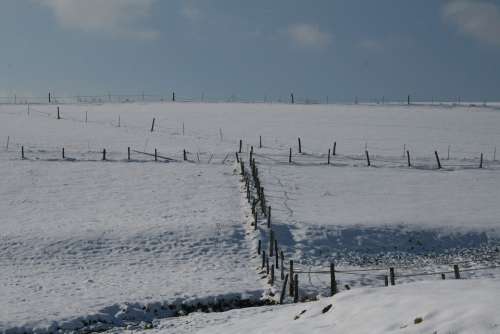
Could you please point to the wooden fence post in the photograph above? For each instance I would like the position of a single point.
(153, 125)
(272, 274)
(282, 256)
(260, 141)
(63, 153)
(58, 114)
(22, 152)
(128, 153)
(173, 96)
(276, 254)
(300, 146)
(328, 156)
(334, 148)
(290, 161)
(104, 154)
(386, 280)
(443, 276)
(481, 161)
(241, 144)
(291, 278)
(292, 98)
(296, 286)
(283, 289)
(437, 159)
(392, 276)
(333, 282)
(456, 271)
(367, 158)
(184, 155)
(267, 265)
(408, 156)
(259, 247)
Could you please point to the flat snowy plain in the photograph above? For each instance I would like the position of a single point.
(82, 239)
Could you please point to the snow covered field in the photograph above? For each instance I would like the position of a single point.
(80, 236)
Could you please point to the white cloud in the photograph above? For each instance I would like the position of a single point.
(190, 11)
(308, 36)
(478, 19)
(117, 18)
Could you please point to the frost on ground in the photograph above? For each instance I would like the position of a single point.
(79, 238)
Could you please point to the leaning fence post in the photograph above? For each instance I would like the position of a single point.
(367, 158)
(481, 161)
(296, 286)
(393, 277)
(300, 146)
(333, 282)
(283, 290)
(456, 271)
(291, 278)
(437, 159)
(408, 156)
(153, 125)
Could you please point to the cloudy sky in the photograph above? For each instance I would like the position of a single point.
(335, 48)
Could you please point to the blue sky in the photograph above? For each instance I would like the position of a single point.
(334, 48)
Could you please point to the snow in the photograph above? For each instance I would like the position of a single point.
(83, 239)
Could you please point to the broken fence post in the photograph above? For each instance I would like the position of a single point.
(437, 159)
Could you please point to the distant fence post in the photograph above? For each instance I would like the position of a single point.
(173, 96)
(63, 156)
(58, 114)
(290, 161)
(334, 148)
(386, 280)
(367, 158)
(271, 243)
(328, 156)
(291, 278)
(184, 155)
(268, 217)
(282, 258)
(408, 156)
(456, 271)
(156, 154)
(392, 276)
(153, 125)
(481, 161)
(22, 152)
(260, 141)
(333, 282)
(300, 145)
(437, 159)
(259, 247)
(128, 153)
(104, 154)
(241, 144)
(292, 98)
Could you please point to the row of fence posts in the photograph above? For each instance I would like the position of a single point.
(155, 155)
(290, 279)
(333, 152)
(392, 275)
